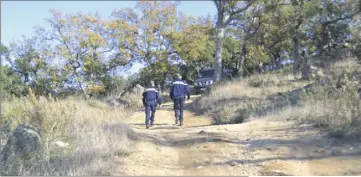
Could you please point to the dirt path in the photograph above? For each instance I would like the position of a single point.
(257, 147)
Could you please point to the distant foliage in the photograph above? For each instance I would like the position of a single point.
(81, 50)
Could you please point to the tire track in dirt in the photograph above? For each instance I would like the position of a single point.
(257, 147)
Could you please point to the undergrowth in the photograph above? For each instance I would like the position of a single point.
(94, 134)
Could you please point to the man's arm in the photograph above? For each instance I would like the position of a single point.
(188, 90)
(159, 99)
(171, 92)
(143, 98)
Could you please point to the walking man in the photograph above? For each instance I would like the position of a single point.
(150, 100)
(178, 93)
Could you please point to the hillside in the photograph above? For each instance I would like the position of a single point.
(268, 124)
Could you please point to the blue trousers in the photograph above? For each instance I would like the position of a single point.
(150, 108)
(179, 105)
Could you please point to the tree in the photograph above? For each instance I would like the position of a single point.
(3, 50)
(28, 61)
(193, 43)
(248, 25)
(226, 11)
(356, 37)
(154, 21)
(320, 16)
(89, 47)
(10, 82)
(113, 85)
(231, 52)
(273, 34)
(330, 27)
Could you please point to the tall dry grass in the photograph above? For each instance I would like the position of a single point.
(279, 95)
(95, 134)
(232, 101)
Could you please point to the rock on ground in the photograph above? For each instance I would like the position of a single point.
(118, 102)
(23, 144)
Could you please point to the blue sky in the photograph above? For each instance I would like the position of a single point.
(19, 17)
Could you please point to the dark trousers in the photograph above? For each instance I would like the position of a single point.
(150, 108)
(179, 105)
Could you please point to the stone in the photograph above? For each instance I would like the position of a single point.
(118, 103)
(234, 163)
(61, 144)
(202, 132)
(23, 144)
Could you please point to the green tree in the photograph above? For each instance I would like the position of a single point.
(331, 25)
(193, 43)
(3, 50)
(10, 82)
(27, 61)
(356, 37)
(154, 21)
(113, 85)
(226, 11)
(231, 52)
(88, 46)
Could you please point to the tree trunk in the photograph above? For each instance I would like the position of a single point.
(242, 59)
(295, 54)
(273, 62)
(220, 28)
(278, 61)
(306, 67)
(260, 67)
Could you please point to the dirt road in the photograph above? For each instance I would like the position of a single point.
(257, 147)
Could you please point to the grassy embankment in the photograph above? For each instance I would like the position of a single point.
(277, 95)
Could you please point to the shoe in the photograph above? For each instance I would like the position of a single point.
(176, 121)
(147, 126)
(181, 123)
(151, 124)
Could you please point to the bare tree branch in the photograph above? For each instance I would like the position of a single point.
(231, 15)
(340, 19)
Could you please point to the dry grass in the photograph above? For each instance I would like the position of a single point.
(276, 95)
(95, 133)
(231, 102)
(134, 98)
(340, 113)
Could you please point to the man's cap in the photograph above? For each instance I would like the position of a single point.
(178, 76)
(152, 83)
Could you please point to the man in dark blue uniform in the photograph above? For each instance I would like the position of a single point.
(150, 100)
(178, 93)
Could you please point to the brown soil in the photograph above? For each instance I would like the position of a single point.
(256, 147)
